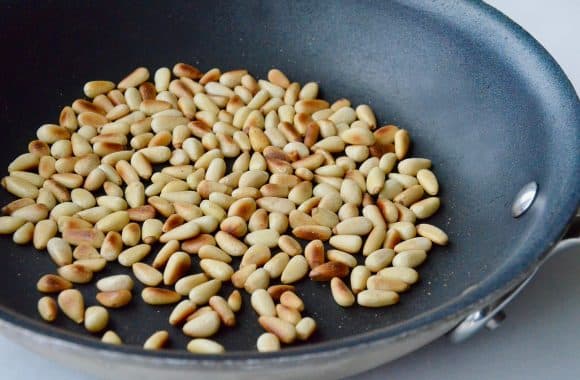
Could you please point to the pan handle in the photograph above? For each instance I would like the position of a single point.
(492, 315)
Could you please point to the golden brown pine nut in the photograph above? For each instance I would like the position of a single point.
(341, 293)
(72, 304)
(159, 296)
(47, 308)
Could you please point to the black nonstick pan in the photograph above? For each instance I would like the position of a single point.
(482, 99)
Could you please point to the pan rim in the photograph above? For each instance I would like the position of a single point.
(489, 289)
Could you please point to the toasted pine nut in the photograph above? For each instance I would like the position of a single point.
(285, 331)
(157, 341)
(379, 282)
(50, 283)
(134, 79)
(71, 302)
(181, 311)
(341, 293)
(47, 308)
(327, 271)
(288, 314)
(75, 273)
(159, 296)
(235, 301)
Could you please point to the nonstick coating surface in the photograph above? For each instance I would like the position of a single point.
(479, 97)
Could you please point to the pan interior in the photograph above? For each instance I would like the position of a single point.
(475, 96)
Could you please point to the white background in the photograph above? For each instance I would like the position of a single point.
(540, 338)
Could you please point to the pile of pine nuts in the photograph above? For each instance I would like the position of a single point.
(141, 163)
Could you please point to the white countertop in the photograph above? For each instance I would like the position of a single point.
(540, 339)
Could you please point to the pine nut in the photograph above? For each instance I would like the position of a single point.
(114, 299)
(296, 269)
(159, 296)
(178, 264)
(268, 342)
(47, 308)
(407, 275)
(115, 282)
(257, 279)
(409, 259)
(60, 251)
(96, 318)
(50, 283)
(146, 274)
(379, 259)
(262, 303)
(275, 266)
(75, 273)
(285, 331)
(377, 298)
(235, 301)
(203, 326)
(418, 243)
(72, 304)
(326, 271)
(425, 208)
(110, 337)
(24, 234)
(347, 243)
(157, 341)
(205, 346)
(311, 232)
(305, 328)
(378, 282)
(341, 293)
(428, 180)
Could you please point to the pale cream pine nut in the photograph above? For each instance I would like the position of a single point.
(407, 275)
(204, 346)
(278, 222)
(213, 252)
(114, 299)
(83, 198)
(235, 301)
(377, 282)
(406, 230)
(47, 308)
(159, 296)
(341, 293)
(96, 318)
(342, 257)
(134, 79)
(366, 114)
(379, 259)
(51, 283)
(275, 266)
(46, 198)
(133, 98)
(26, 161)
(257, 254)
(322, 114)
(132, 255)
(268, 342)
(418, 243)
(305, 328)
(410, 259)
(92, 265)
(9, 224)
(299, 218)
(368, 164)
(328, 270)
(157, 341)
(146, 274)
(262, 303)
(221, 306)
(60, 251)
(115, 282)
(181, 311)
(43, 232)
(265, 237)
(347, 243)
(185, 284)
(182, 232)
(24, 234)
(359, 225)
(110, 337)
(19, 187)
(375, 180)
(433, 233)
(203, 326)
(217, 269)
(402, 142)
(201, 293)
(358, 278)
(113, 222)
(410, 196)
(350, 192)
(151, 231)
(332, 144)
(425, 208)
(72, 304)
(324, 217)
(295, 270)
(258, 279)
(411, 166)
(377, 298)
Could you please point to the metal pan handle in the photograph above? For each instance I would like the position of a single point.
(491, 316)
